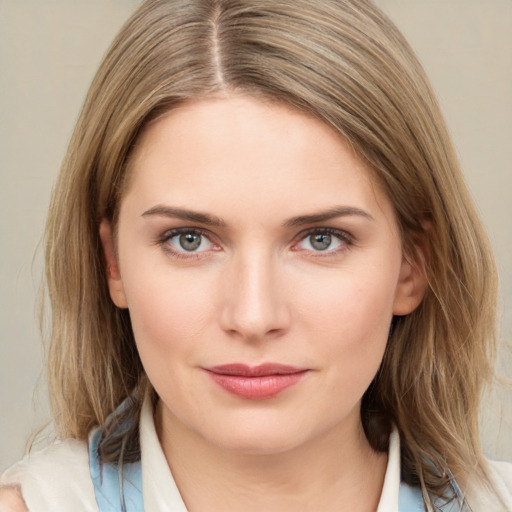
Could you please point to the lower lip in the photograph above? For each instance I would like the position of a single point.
(256, 388)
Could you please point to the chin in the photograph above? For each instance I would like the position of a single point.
(260, 437)
(259, 445)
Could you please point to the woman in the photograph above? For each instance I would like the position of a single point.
(270, 289)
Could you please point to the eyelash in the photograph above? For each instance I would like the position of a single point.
(344, 237)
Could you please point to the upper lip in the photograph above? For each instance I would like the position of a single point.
(245, 370)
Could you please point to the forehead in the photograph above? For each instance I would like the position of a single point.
(220, 152)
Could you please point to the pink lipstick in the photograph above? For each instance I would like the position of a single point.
(255, 382)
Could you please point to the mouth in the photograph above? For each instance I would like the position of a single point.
(256, 382)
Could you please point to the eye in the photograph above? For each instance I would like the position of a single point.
(324, 240)
(187, 241)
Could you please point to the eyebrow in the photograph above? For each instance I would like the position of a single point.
(180, 213)
(331, 213)
(212, 220)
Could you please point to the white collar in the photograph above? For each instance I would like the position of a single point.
(389, 498)
(158, 486)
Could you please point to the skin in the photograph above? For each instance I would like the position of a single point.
(11, 500)
(257, 290)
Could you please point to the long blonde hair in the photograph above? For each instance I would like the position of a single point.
(344, 62)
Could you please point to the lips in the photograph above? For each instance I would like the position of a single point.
(256, 382)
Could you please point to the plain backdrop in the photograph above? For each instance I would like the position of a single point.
(49, 51)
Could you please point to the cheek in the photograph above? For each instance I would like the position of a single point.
(353, 304)
(349, 319)
(169, 310)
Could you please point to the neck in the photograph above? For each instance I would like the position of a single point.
(336, 471)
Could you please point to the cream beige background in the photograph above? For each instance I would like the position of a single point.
(49, 50)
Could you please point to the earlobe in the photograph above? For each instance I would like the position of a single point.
(115, 283)
(412, 284)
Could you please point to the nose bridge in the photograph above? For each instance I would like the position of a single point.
(255, 307)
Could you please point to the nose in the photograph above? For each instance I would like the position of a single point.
(255, 305)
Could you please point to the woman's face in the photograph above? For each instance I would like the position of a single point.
(261, 266)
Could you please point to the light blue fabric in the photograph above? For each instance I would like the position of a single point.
(110, 483)
(410, 499)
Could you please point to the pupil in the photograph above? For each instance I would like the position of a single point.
(190, 241)
(320, 241)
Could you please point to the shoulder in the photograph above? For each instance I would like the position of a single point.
(502, 468)
(501, 475)
(497, 497)
(58, 475)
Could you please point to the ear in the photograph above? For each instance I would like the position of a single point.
(115, 283)
(412, 283)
